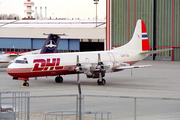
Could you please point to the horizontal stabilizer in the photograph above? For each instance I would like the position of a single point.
(155, 51)
(132, 67)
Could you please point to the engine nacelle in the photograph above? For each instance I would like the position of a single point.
(89, 75)
(108, 66)
(95, 74)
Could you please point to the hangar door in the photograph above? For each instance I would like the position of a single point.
(38, 43)
(16, 43)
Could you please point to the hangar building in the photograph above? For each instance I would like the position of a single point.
(26, 35)
(162, 19)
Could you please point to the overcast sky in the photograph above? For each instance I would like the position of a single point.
(83, 9)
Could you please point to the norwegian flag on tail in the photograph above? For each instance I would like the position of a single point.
(145, 42)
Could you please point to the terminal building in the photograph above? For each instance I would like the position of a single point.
(162, 19)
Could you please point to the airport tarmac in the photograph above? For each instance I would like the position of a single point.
(161, 80)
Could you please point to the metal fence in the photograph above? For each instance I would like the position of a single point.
(134, 108)
(94, 107)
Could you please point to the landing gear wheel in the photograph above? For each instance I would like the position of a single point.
(59, 79)
(25, 83)
(103, 82)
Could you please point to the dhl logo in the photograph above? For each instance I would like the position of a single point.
(47, 64)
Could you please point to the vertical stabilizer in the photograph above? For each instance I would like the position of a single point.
(139, 42)
(51, 44)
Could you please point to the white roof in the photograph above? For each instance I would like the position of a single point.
(53, 23)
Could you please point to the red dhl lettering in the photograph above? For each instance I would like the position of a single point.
(43, 65)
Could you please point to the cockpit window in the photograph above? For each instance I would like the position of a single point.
(22, 61)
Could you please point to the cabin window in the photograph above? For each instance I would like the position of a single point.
(21, 61)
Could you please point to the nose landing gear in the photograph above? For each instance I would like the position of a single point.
(59, 79)
(26, 83)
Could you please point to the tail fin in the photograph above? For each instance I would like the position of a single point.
(51, 44)
(139, 42)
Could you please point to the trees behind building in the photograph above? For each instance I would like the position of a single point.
(9, 17)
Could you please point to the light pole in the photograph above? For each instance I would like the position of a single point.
(96, 2)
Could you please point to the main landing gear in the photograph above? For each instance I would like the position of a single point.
(103, 82)
(25, 83)
(59, 79)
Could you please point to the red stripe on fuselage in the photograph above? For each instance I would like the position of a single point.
(27, 72)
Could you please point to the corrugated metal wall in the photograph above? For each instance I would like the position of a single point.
(125, 13)
(176, 30)
(163, 25)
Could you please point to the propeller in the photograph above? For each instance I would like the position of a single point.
(78, 69)
(100, 66)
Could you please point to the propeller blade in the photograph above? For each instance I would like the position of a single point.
(99, 58)
(77, 62)
(100, 66)
(78, 65)
(78, 77)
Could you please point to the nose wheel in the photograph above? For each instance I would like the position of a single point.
(59, 79)
(103, 82)
(25, 83)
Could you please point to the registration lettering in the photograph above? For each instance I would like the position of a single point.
(47, 64)
(124, 55)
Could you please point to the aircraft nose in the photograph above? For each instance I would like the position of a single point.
(11, 70)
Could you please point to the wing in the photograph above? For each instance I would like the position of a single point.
(92, 69)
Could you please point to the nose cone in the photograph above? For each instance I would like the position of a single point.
(10, 70)
(19, 70)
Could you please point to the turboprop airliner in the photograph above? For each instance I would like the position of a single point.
(50, 46)
(94, 64)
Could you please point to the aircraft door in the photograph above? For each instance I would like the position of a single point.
(111, 56)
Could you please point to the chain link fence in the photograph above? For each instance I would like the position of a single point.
(94, 107)
(131, 108)
(40, 105)
(14, 105)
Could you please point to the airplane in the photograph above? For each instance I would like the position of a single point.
(94, 64)
(50, 46)
(7, 58)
